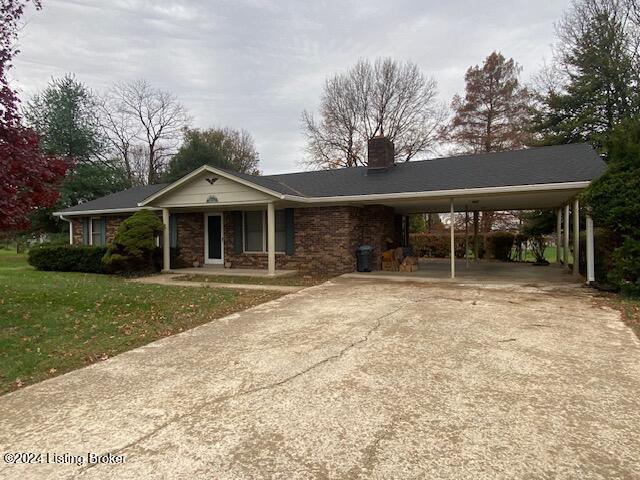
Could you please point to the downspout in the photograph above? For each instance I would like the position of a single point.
(70, 228)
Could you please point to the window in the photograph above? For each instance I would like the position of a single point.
(96, 231)
(255, 231)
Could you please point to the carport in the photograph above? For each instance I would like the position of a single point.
(559, 196)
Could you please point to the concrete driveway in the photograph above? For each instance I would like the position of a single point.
(355, 379)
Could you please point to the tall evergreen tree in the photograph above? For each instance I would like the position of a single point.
(63, 114)
(597, 73)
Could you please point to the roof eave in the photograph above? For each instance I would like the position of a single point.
(100, 211)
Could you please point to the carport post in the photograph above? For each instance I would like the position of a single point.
(476, 245)
(271, 238)
(591, 276)
(576, 237)
(453, 243)
(566, 235)
(166, 243)
(466, 236)
(558, 234)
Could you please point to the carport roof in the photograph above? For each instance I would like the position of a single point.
(534, 166)
(529, 167)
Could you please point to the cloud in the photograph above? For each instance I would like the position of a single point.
(256, 64)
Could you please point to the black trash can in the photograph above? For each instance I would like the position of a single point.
(364, 256)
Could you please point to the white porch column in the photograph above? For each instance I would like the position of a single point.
(558, 234)
(166, 242)
(576, 237)
(453, 244)
(591, 274)
(271, 238)
(566, 235)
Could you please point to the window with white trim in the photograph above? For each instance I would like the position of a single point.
(95, 231)
(255, 231)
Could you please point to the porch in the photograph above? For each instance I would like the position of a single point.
(219, 270)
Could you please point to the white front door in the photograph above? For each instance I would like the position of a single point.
(213, 238)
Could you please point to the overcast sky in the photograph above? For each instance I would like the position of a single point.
(256, 64)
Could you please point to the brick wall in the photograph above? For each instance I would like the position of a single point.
(76, 231)
(326, 239)
(377, 225)
(191, 237)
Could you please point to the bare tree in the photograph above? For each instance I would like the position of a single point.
(142, 120)
(121, 132)
(385, 97)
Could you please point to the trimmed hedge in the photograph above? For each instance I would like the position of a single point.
(437, 245)
(67, 258)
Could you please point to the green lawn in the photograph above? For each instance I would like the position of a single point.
(549, 255)
(53, 322)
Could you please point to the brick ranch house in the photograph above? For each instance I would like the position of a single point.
(314, 221)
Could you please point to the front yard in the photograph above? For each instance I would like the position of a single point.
(52, 322)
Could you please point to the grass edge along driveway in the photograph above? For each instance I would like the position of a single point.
(55, 322)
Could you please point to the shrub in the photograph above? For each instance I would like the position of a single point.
(499, 245)
(519, 244)
(615, 204)
(626, 267)
(134, 247)
(67, 258)
(437, 245)
(604, 244)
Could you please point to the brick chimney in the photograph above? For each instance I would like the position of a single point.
(380, 153)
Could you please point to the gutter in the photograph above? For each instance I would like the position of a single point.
(442, 193)
(80, 213)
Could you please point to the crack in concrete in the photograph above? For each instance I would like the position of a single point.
(378, 323)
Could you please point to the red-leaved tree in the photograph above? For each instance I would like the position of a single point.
(28, 178)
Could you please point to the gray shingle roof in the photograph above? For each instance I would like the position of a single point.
(554, 164)
(126, 199)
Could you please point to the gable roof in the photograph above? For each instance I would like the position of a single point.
(535, 166)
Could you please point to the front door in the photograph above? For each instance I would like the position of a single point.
(213, 251)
